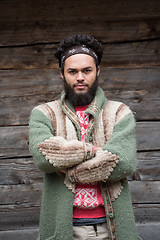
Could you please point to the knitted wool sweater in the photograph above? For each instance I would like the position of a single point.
(55, 142)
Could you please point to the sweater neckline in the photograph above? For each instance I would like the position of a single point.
(81, 108)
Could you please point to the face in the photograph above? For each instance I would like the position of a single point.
(80, 72)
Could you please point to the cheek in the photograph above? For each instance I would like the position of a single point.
(69, 79)
(92, 79)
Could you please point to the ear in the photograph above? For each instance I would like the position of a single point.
(98, 70)
(61, 74)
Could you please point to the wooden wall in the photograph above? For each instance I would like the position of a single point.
(29, 33)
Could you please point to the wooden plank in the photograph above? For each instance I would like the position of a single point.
(30, 194)
(14, 140)
(146, 213)
(16, 110)
(148, 137)
(25, 234)
(130, 78)
(151, 191)
(24, 211)
(19, 216)
(149, 231)
(42, 55)
(23, 170)
(29, 82)
(45, 22)
(145, 53)
(28, 57)
(19, 171)
(148, 166)
(23, 216)
(21, 194)
(122, 10)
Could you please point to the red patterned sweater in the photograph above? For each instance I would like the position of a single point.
(88, 201)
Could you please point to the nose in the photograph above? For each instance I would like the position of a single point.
(80, 76)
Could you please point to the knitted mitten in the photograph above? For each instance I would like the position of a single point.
(96, 169)
(64, 154)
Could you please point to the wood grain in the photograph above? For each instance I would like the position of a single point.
(146, 231)
(45, 81)
(19, 171)
(144, 191)
(146, 213)
(16, 110)
(26, 22)
(148, 166)
(147, 134)
(39, 56)
(14, 141)
(20, 204)
(23, 170)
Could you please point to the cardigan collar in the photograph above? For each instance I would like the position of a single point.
(94, 107)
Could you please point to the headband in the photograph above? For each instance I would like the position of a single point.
(76, 50)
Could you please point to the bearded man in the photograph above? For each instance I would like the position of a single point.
(85, 145)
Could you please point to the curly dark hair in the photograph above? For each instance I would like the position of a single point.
(77, 40)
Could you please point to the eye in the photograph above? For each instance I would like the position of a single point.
(87, 70)
(72, 72)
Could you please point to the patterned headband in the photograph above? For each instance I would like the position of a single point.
(76, 50)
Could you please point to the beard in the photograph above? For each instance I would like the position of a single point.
(81, 99)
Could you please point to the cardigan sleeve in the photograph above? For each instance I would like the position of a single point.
(117, 160)
(123, 143)
(52, 153)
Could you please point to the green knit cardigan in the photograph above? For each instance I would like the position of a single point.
(57, 199)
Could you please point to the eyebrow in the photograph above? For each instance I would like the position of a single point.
(71, 69)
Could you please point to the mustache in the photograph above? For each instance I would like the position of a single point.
(80, 83)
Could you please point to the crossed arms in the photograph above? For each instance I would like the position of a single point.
(81, 161)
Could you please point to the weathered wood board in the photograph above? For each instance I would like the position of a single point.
(27, 22)
(45, 81)
(26, 216)
(145, 53)
(14, 141)
(16, 110)
(20, 204)
(146, 231)
(31, 234)
(148, 166)
(19, 171)
(23, 171)
(30, 194)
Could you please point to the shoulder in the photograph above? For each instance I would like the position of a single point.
(117, 110)
(48, 108)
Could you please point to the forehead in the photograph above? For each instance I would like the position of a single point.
(79, 61)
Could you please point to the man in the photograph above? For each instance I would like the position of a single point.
(85, 145)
